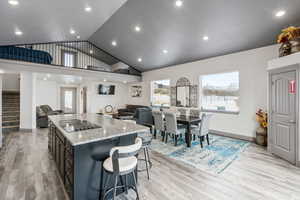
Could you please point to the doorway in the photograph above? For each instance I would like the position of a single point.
(283, 110)
(84, 100)
(68, 100)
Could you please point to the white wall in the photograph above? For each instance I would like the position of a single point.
(252, 67)
(27, 100)
(47, 94)
(96, 102)
(11, 82)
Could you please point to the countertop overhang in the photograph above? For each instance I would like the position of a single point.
(110, 128)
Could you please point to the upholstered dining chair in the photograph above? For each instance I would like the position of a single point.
(159, 124)
(195, 112)
(202, 130)
(172, 128)
(182, 111)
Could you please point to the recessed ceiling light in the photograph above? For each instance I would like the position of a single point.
(91, 51)
(72, 31)
(114, 43)
(104, 80)
(280, 13)
(205, 38)
(140, 60)
(13, 2)
(18, 32)
(137, 29)
(88, 9)
(48, 75)
(78, 36)
(165, 51)
(178, 3)
(45, 79)
(125, 82)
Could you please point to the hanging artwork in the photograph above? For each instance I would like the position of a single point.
(136, 91)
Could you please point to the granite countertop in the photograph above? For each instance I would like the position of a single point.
(110, 128)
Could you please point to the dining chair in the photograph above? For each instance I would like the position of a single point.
(182, 111)
(172, 128)
(203, 129)
(159, 124)
(195, 112)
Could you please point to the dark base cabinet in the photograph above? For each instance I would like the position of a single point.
(62, 152)
(80, 166)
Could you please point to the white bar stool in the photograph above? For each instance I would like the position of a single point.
(122, 162)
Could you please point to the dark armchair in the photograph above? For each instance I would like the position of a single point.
(42, 113)
(143, 116)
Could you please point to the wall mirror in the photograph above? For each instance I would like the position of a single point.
(183, 86)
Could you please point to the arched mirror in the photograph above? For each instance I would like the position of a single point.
(183, 87)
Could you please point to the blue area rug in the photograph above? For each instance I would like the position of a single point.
(214, 158)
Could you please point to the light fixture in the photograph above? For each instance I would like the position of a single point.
(139, 59)
(165, 51)
(205, 38)
(18, 32)
(78, 36)
(104, 80)
(45, 79)
(88, 9)
(178, 3)
(72, 31)
(13, 2)
(124, 82)
(280, 13)
(114, 43)
(1, 71)
(48, 75)
(91, 51)
(137, 28)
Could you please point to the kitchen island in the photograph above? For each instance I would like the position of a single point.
(79, 144)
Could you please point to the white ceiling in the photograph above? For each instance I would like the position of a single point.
(51, 20)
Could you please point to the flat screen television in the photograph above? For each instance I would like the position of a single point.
(106, 89)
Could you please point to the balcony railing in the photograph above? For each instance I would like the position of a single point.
(73, 54)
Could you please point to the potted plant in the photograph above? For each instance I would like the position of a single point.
(290, 40)
(261, 132)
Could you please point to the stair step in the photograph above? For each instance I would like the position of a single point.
(7, 121)
(12, 123)
(13, 126)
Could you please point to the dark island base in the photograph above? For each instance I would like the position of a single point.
(80, 166)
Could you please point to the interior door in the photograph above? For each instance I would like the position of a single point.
(68, 100)
(84, 98)
(283, 115)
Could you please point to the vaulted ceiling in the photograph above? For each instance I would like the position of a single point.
(230, 25)
(52, 20)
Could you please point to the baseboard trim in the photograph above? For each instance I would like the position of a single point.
(232, 135)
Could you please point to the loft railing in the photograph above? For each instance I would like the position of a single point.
(73, 54)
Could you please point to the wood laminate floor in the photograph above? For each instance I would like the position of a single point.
(27, 172)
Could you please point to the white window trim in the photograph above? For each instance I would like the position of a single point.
(151, 95)
(201, 96)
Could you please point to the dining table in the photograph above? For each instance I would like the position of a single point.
(188, 121)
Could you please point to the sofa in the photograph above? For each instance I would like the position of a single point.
(42, 113)
(129, 110)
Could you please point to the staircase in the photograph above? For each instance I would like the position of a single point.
(10, 111)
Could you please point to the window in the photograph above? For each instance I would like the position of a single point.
(160, 93)
(69, 58)
(220, 92)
